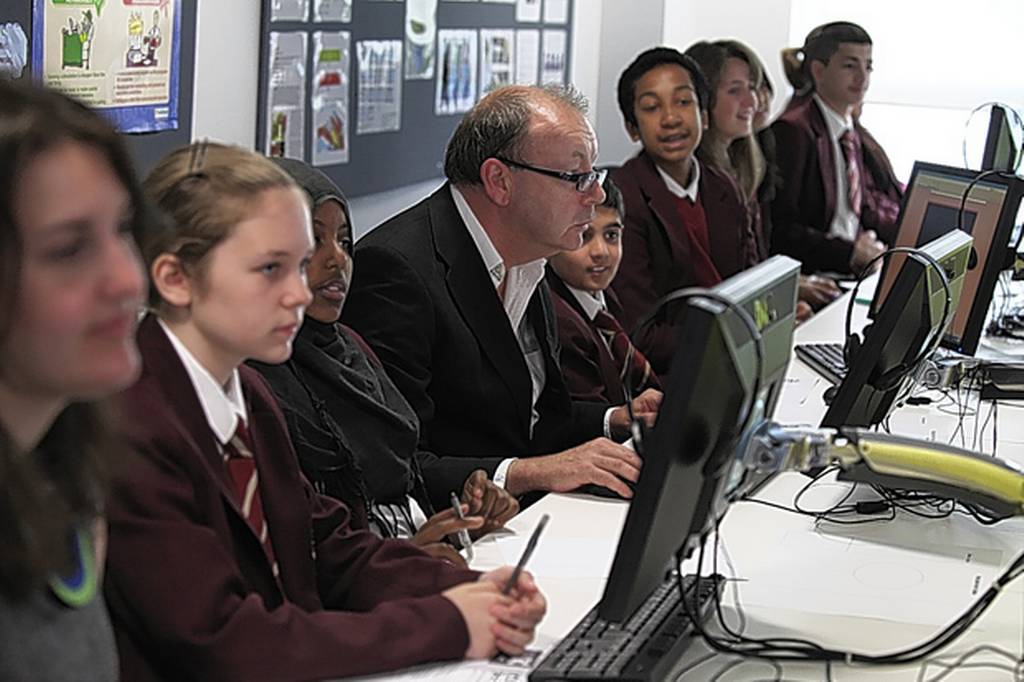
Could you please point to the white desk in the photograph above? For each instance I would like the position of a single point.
(799, 577)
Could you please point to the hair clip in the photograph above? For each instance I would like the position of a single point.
(197, 158)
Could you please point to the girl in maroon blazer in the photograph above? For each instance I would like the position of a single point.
(828, 212)
(70, 285)
(224, 563)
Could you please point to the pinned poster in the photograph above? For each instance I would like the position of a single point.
(286, 95)
(13, 50)
(456, 78)
(527, 49)
(497, 64)
(552, 63)
(121, 58)
(420, 39)
(379, 94)
(527, 11)
(330, 90)
(289, 10)
(332, 10)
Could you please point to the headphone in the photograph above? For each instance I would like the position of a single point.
(892, 378)
(686, 293)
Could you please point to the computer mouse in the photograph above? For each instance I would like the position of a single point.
(601, 491)
(830, 394)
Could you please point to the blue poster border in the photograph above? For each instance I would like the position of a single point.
(134, 119)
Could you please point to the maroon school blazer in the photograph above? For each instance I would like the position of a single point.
(656, 248)
(189, 588)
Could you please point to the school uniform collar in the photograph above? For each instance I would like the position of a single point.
(224, 406)
(688, 192)
(522, 279)
(837, 125)
(591, 302)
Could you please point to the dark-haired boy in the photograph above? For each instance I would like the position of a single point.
(686, 224)
(597, 356)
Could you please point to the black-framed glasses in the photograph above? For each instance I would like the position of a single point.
(583, 181)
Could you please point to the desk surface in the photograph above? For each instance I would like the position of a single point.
(870, 588)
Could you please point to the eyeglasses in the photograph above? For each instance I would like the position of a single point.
(584, 181)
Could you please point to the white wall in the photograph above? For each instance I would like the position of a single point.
(227, 62)
(764, 26)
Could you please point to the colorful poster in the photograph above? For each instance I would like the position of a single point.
(119, 57)
(289, 10)
(527, 48)
(286, 95)
(552, 66)
(420, 39)
(379, 97)
(497, 62)
(456, 77)
(330, 88)
(332, 10)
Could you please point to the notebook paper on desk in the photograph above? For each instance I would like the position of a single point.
(500, 669)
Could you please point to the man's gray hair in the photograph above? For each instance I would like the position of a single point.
(497, 126)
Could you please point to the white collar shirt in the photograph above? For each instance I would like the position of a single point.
(845, 222)
(224, 406)
(688, 192)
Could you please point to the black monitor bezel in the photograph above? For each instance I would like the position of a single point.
(671, 488)
(998, 125)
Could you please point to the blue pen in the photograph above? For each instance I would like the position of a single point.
(464, 540)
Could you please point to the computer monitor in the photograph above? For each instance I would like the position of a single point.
(1001, 150)
(691, 466)
(905, 326)
(930, 209)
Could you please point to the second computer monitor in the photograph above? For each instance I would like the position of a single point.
(691, 467)
(902, 331)
(931, 209)
(1002, 151)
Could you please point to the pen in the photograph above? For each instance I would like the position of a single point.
(464, 540)
(531, 544)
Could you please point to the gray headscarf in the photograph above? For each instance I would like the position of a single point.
(315, 182)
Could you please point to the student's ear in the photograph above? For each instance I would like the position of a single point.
(171, 280)
(497, 180)
(633, 131)
(817, 72)
(704, 119)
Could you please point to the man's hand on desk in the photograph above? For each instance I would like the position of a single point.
(600, 461)
(866, 248)
(491, 502)
(818, 291)
(645, 407)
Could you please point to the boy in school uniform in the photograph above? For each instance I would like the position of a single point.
(836, 205)
(597, 357)
(687, 223)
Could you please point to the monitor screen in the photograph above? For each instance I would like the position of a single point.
(930, 209)
(904, 326)
(691, 466)
(1001, 151)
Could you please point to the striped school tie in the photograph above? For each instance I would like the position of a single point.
(625, 354)
(850, 143)
(245, 484)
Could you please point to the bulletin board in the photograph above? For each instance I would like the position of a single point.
(147, 148)
(369, 91)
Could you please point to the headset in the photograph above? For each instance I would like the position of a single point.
(851, 346)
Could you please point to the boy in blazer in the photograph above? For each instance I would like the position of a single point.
(597, 355)
(686, 223)
(833, 209)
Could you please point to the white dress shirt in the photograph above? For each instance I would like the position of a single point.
(688, 192)
(845, 222)
(224, 406)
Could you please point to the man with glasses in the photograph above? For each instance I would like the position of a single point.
(449, 294)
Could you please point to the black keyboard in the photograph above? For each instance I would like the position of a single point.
(824, 358)
(645, 647)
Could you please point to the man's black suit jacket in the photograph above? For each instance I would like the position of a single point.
(423, 300)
